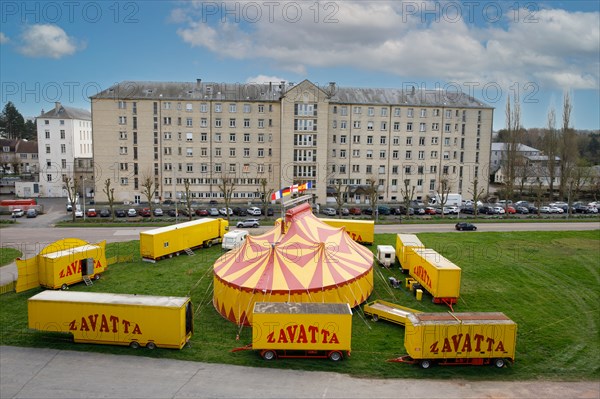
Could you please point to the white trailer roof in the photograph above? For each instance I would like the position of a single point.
(410, 240)
(110, 299)
(71, 251)
(177, 226)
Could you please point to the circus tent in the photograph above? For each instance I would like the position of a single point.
(311, 262)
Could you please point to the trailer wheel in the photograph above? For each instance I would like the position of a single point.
(97, 277)
(209, 243)
(134, 345)
(499, 363)
(425, 364)
(151, 345)
(64, 287)
(268, 355)
(335, 356)
(375, 317)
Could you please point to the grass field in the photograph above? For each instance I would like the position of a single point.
(547, 282)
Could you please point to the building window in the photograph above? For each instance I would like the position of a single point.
(434, 154)
(217, 107)
(189, 152)
(408, 154)
(356, 125)
(63, 149)
(247, 108)
(343, 139)
(189, 136)
(423, 112)
(232, 152)
(261, 137)
(261, 123)
(369, 139)
(62, 134)
(422, 126)
(204, 137)
(409, 112)
(395, 154)
(48, 134)
(122, 120)
(421, 140)
(218, 137)
(383, 125)
(166, 120)
(261, 108)
(382, 140)
(261, 152)
(232, 122)
(409, 126)
(382, 154)
(371, 111)
(246, 152)
(369, 154)
(232, 137)
(218, 152)
(421, 155)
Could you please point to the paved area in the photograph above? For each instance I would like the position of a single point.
(49, 373)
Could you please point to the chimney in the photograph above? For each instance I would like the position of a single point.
(198, 83)
(57, 106)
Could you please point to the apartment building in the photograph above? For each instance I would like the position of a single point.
(285, 134)
(65, 150)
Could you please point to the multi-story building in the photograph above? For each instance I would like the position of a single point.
(65, 150)
(286, 134)
(532, 167)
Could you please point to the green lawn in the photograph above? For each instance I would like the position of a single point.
(548, 282)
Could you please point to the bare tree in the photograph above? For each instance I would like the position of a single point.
(227, 186)
(523, 174)
(149, 188)
(477, 194)
(539, 194)
(444, 191)
(373, 194)
(510, 153)
(550, 146)
(72, 188)
(408, 194)
(265, 194)
(188, 198)
(340, 194)
(568, 147)
(110, 196)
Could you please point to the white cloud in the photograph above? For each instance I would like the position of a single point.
(47, 40)
(556, 49)
(260, 79)
(3, 38)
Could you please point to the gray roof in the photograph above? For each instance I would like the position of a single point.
(427, 98)
(62, 112)
(191, 91)
(520, 148)
(272, 91)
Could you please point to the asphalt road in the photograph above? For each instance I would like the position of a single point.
(49, 373)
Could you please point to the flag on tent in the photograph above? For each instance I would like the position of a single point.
(296, 188)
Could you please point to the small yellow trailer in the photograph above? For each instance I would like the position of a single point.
(459, 338)
(388, 311)
(404, 244)
(362, 231)
(301, 330)
(117, 319)
(436, 274)
(172, 240)
(62, 263)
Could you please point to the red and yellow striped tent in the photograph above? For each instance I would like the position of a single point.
(311, 262)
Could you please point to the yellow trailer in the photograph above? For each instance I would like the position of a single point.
(62, 263)
(459, 338)
(172, 240)
(117, 319)
(301, 330)
(436, 274)
(388, 311)
(404, 242)
(362, 231)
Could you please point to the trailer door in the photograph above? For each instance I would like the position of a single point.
(189, 318)
(87, 266)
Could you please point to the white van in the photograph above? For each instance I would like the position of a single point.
(234, 239)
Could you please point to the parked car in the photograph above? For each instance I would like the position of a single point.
(522, 210)
(367, 211)
(419, 211)
(558, 204)
(532, 209)
(91, 213)
(270, 212)
(510, 210)
(202, 212)
(465, 226)
(168, 202)
(430, 210)
(104, 213)
(454, 210)
(498, 210)
(212, 202)
(345, 211)
(254, 211)
(485, 210)
(239, 211)
(354, 211)
(213, 212)
(173, 212)
(328, 211)
(468, 209)
(522, 203)
(545, 209)
(225, 212)
(17, 213)
(383, 210)
(145, 212)
(131, 212)
(120, 213)
(556, 209)
(78, 213)
(248, 223)
(158, 212)
(31, 213)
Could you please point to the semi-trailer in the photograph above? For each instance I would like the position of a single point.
(476, 338)
(172, 240)
(361, 231)
(404, 243)
(301, 330)
(61, 264)
(436, 274)
(117, 319)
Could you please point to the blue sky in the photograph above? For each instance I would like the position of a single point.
(65, 51)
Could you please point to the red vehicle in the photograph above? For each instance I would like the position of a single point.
(354, 211)
(18, 202)
(201, 212)
(91, 213)
(145, 212)
(430, 211)
(510, 209)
